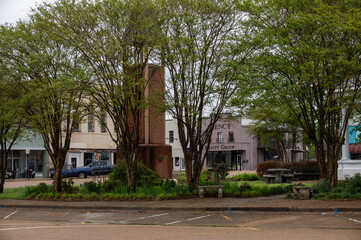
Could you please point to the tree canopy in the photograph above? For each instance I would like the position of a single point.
(309, 57)
(54, 80)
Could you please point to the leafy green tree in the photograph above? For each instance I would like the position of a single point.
(11, 112)
(53, 78)
(309, 54)
(116, 39)
(198, 55)
(275, 126)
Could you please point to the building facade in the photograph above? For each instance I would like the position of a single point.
(230, 143)
(172, 138)
(91, 141)
(29, 155)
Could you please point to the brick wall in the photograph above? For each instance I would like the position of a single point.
(156, 115)
(158, 157)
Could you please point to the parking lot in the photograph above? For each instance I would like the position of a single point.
(252, 220)
(82, 224)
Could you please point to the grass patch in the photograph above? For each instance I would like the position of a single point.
(245, 177)
(14, 193)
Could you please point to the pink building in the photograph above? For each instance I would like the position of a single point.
(231, 143)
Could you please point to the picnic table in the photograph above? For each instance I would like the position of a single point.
(278, 175)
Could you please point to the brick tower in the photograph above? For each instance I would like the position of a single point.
(154, 153)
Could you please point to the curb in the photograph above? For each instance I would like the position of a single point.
(206, 209)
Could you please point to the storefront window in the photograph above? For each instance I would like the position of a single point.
(105, 156)
(88, 158)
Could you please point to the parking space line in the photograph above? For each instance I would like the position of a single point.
(240, 225)
(190, 219)
(141, 218)
(229, 219)
(10, 215)
(348, 218)
(65, 214)
(157, 215)
(39, 227)
(173, 222)
(251, 228)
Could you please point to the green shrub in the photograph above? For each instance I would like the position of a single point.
(168, 184)
(91, 187)
(38, 189)
(223, 170)
(352, 185)
(246, 177)
(349, 189)
(244, 187)
(67, 186)
(206, 176)
(323, 186)
(144, 176)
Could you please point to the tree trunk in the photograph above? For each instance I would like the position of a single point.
(131, 168)
(133, 180)
(2, 181)
(3, 159)
(321, 160)
(332, 158)
(57, 178)
(189, 172)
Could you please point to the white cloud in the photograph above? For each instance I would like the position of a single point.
(13, 10)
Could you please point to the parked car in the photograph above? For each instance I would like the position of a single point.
(81, 172)
(8, 175)
(102, 168)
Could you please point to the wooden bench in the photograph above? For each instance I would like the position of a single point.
(269, 178)
(287, 178)
(218, 187)
(304, 173)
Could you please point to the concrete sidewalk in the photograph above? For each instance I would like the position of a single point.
(277, 203)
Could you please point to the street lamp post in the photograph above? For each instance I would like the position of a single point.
(27, 162)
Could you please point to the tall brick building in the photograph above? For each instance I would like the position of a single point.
(154, 152)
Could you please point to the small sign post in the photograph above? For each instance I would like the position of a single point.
(27, 151)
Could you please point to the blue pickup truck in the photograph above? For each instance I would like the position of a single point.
(82, 172)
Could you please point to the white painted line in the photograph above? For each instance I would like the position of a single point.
(350, 219)
(152, 216)
(10, 215)
(173, 222)
(65, 214)
(17, 224)
(158, 215)
(191, 219)
(27, 228)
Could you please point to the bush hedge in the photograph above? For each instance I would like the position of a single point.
(349, 189)
(144, 176)
(245, 177)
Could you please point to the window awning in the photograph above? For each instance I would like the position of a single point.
(355, 148)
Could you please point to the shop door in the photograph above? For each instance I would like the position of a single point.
(239, 162)
(16, 167)
(74, 159)
(183, 166)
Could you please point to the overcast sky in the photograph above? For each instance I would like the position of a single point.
(13, 10)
